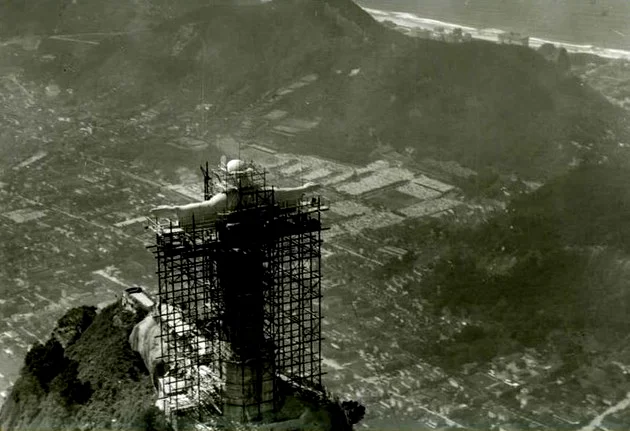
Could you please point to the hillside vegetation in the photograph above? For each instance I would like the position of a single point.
(95, 382)
(549, 272)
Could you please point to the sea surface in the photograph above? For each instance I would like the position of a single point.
(598, 26)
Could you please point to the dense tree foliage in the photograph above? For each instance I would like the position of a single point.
(45, 362)
(547, 264)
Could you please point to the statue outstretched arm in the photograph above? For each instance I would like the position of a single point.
(200, 210)
(163, 211)
(288, 194)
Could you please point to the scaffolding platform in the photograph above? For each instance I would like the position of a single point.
(239, 299)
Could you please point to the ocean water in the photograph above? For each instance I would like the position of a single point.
(601, 23)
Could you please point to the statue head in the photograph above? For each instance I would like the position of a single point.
(236, 166)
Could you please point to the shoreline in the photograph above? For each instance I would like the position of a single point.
(412, 21)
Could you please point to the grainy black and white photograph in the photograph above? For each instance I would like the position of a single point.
(314, 215)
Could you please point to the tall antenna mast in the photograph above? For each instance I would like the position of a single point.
(203, 85)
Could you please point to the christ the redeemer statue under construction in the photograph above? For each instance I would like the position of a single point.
(229, 197)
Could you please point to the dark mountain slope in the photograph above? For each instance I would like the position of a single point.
(241, 52)
(49, 17)
(478, 103)
(553, 266)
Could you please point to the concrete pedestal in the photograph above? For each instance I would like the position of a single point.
(248, 390)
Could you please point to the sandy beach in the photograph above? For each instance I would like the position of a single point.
(411, 21)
